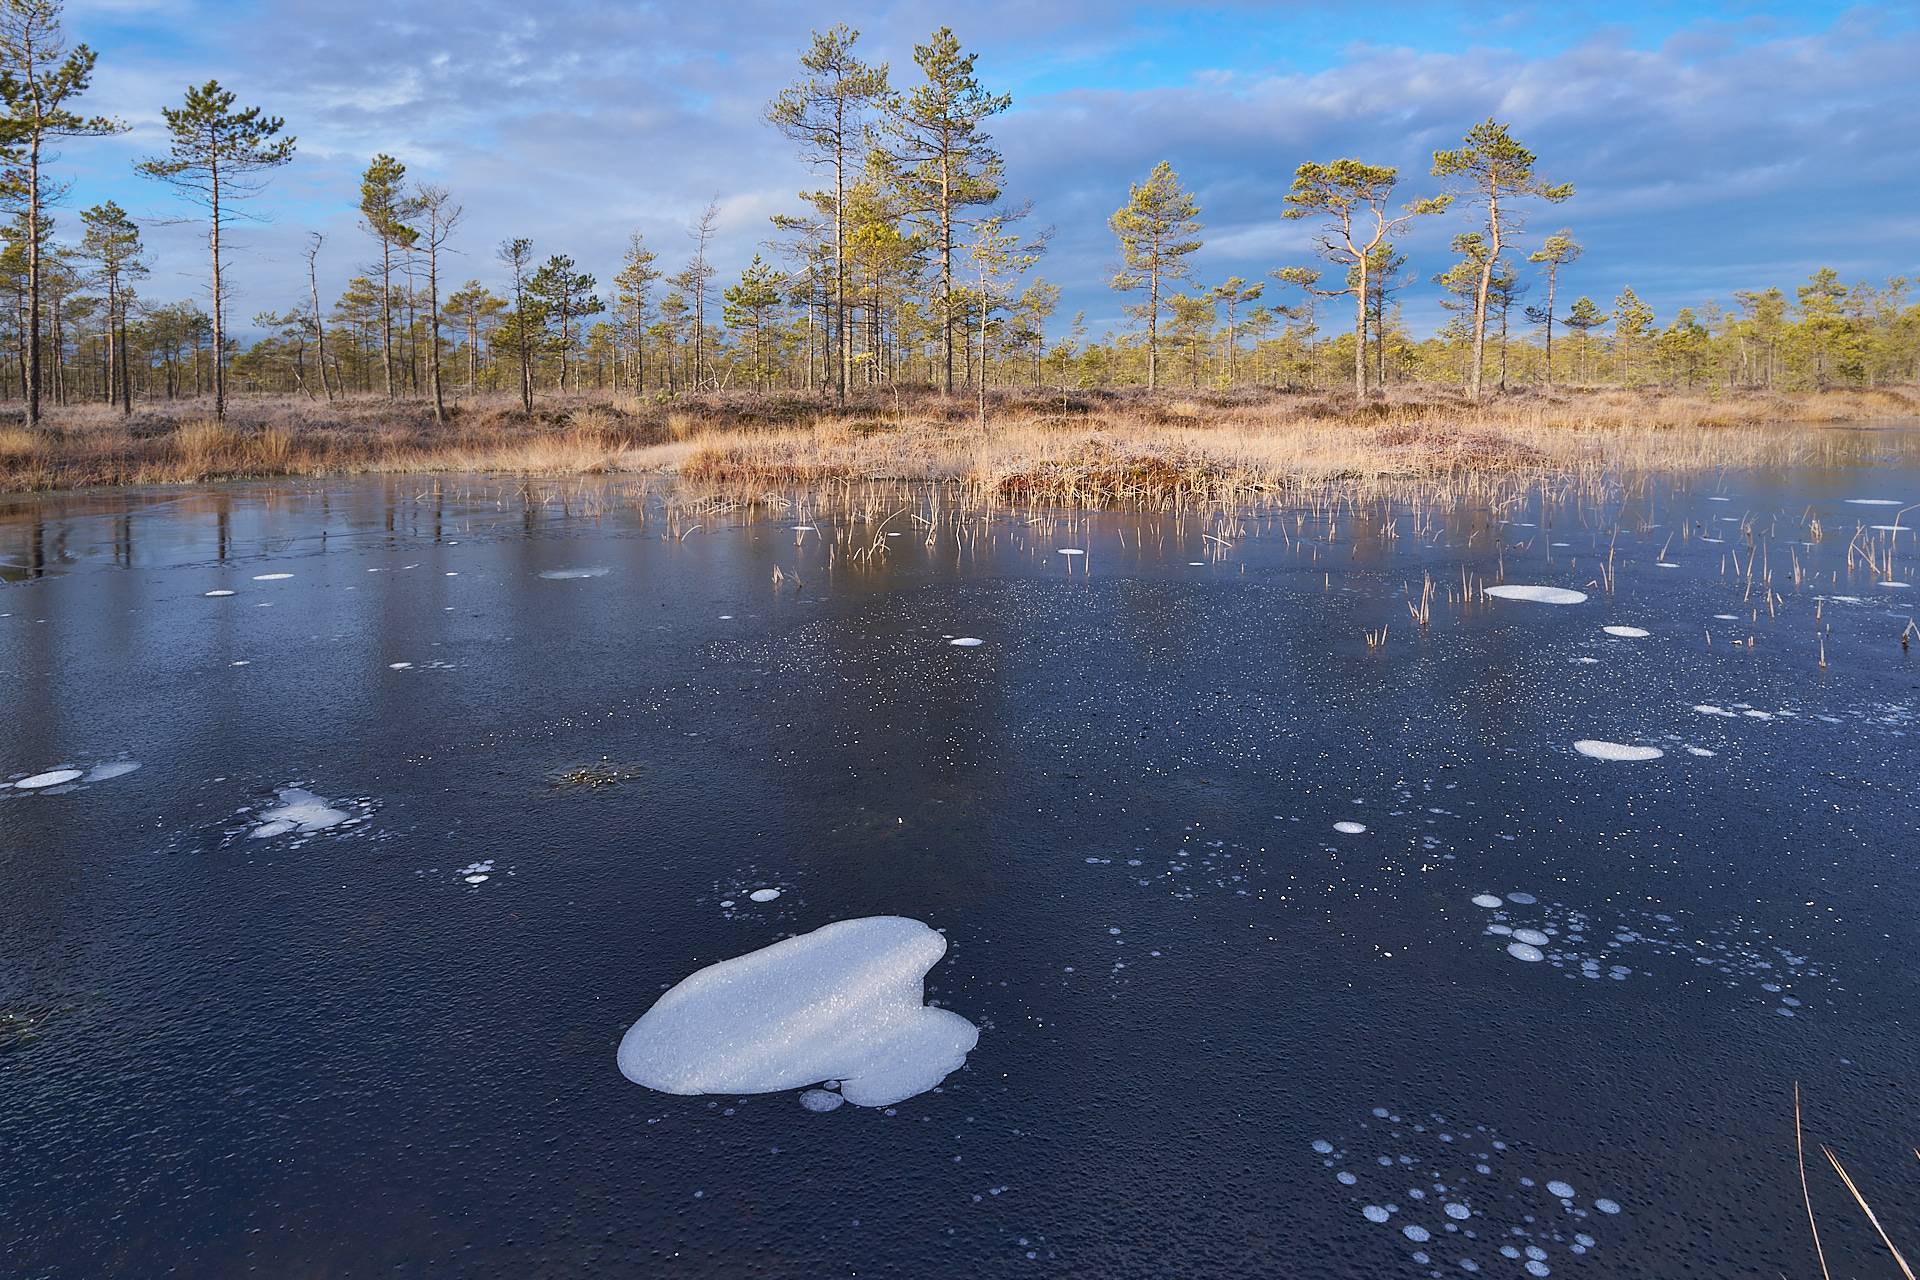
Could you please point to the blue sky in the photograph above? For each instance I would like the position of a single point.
(1714, 146)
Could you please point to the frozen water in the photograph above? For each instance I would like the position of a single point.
(1601, 750)
(764, 895)
(563, 574)
(965, 642)
(113, 769)
(841, 1003)
(270, 577)
(1539, 595)
(820, 1100)
(1350, 828)
(1485, 900)
(300, 809)
(1524, 951)
(1628, 633)
(52, 778)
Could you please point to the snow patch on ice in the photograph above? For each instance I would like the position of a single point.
(841, 1003)
(764, 895)
(1601, 750)
(1539, 595)
(301, 809)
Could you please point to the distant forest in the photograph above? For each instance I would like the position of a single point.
(907, 266)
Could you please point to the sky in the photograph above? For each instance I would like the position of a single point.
(1713, 147)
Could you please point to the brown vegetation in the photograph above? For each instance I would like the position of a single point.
(1074, 448)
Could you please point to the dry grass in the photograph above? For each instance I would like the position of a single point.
(1079, 448)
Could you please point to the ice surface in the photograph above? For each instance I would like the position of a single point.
(1350, 828)
(270, 577)
(764, 895)
(965, 642)
(51, 778)
(1600, 750)
(1629, 633)
(1524, 951)
(301, 809)
(841, 1003)
(1539, 595)
(112, 769)
(560, 574)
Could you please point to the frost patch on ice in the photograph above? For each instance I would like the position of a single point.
(844, 1002)
(1602, 750)
(1627, 633)
(51, 778)
(559, 575)
(966, 642)
(112, 769)
(1350, 828)
(270, 577)
(1539, 595)
(764, 895)
(298, 810)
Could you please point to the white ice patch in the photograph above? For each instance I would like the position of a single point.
(1532, 937)
(51, 778)
(966, 642)
(1525, 951)
(113, 769)
(301, 809)
(1698, 751)
(1708, 709)
(1539, 595)
(1600, 750)
(1627, 633)
(558, 575)
(222, 592)
(270, 577)
(820, 1100)
(1874, 502)
(398, 666)
(1350, 828)
(764, 895)
(844, 1002)
(1485, 900)
(1070, 551)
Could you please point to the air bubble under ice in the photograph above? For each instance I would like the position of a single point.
(1538, 595)
(1350, 828)
(1627, 633)
(966, 642)
(1600, 749)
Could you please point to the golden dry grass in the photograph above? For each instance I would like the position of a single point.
(1075, 448)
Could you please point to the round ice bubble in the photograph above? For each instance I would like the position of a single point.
(52, 778)
(1485, 900)
(820, 1100)
(1459, 1212)
(1525, 899)
(1602, 750)
(1419, 1235)
(1374, 1213)
(1532, 937)
(222, 592)
(1324, 1147)
(1346, 1179)
(1522, 951)
(1538, 595)
(1071, 551)
(1500, 928)
(476, 879)
(1535, 1267)
(1350, 828)
(1561, 1189)
(1627, 633)
(966, 642)
(764, 895)
(1606, 1206)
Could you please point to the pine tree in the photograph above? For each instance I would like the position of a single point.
(564, 296)
(38, 75)
(631, 289)
(1558, 251)
(112, 240)
(218, 154)
(1158, 228)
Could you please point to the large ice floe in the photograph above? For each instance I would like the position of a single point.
(1539, 595)
(844, 1002)
(298, 810)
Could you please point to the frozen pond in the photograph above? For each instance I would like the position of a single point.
(349, 827)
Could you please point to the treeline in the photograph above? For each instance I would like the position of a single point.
(907, 266)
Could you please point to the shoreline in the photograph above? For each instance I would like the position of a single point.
(1072, 448)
